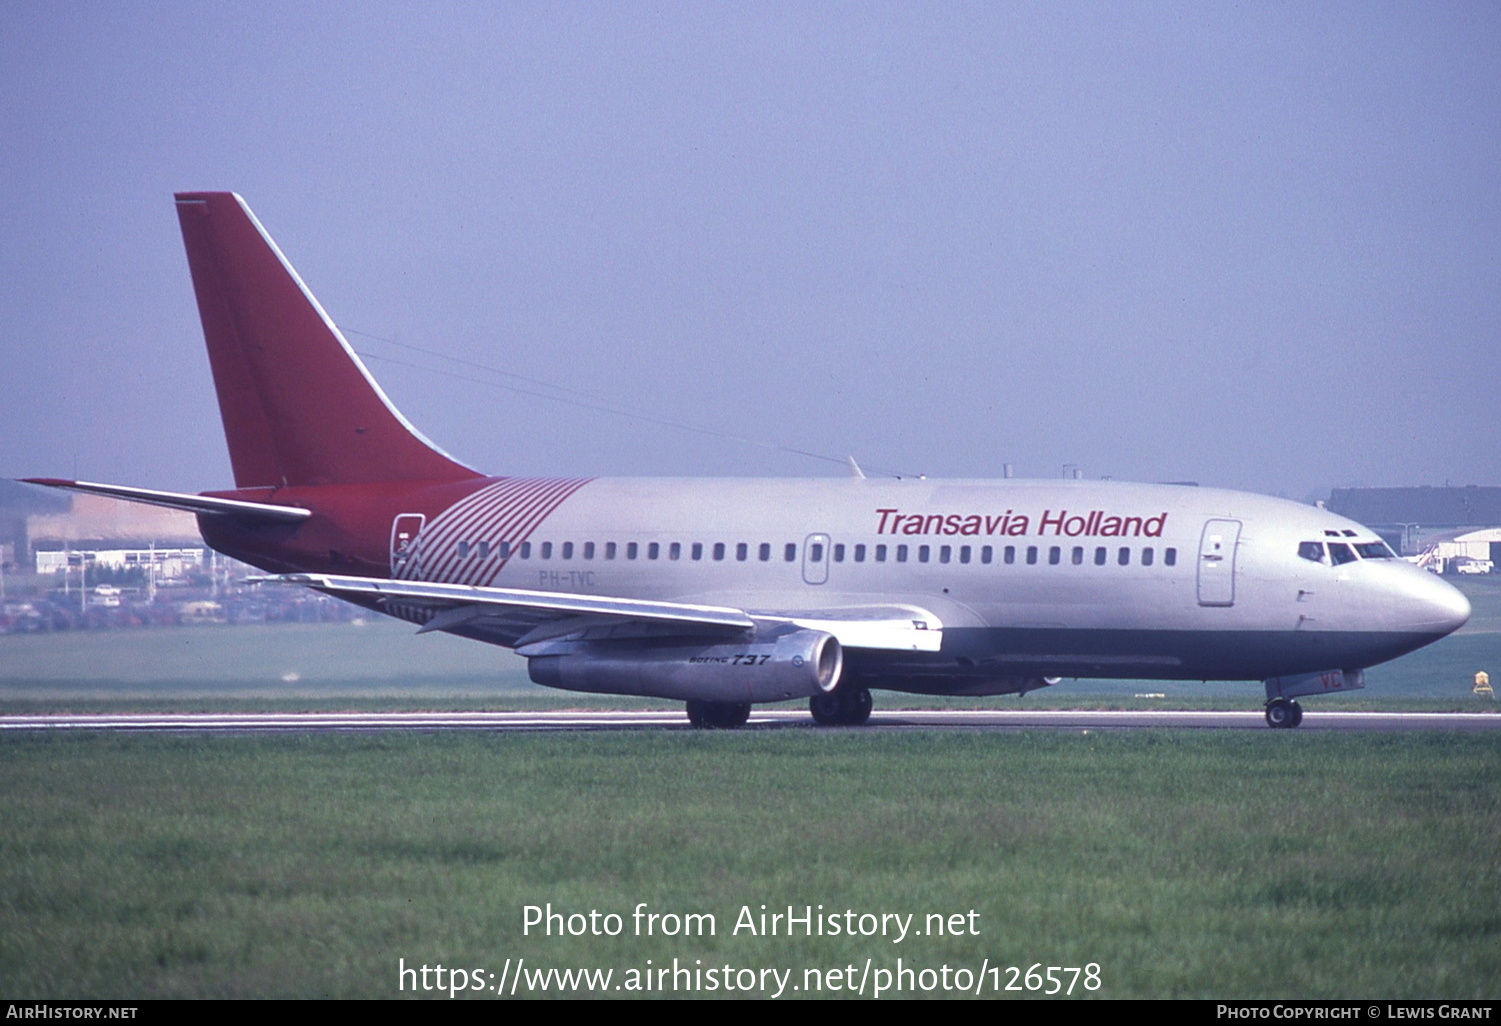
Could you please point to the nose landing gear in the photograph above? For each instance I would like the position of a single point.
(1283, 713)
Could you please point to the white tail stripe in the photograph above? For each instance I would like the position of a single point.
(508, 510)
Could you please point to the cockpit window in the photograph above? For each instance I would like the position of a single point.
(1339, 553)
(1375, 550)
(1312, 550)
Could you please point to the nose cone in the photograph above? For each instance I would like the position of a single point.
(1433, 605)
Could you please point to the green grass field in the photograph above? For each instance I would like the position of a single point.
(1208, 864)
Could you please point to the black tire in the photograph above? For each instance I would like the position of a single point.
(857, 705)
(1279, 713)
(709, 715)
(1297, 714)
(732, 715)
(698, 713)
(826, 709)
(846, 707)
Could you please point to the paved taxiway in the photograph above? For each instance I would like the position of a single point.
(956, 719)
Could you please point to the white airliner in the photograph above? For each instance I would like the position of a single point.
(725, 593)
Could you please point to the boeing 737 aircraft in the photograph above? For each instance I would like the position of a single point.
(725, 593)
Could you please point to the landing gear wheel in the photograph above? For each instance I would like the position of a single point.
(843, 708)
(1283, 713)
(857, 707)
(707, 715)
(825, 709)
(733, 715)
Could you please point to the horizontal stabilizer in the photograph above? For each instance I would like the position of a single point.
(181, 500)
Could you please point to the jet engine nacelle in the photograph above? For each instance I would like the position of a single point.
(769, 667)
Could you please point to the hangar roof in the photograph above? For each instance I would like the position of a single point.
(1426, 507)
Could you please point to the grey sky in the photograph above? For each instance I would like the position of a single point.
(1256, 245)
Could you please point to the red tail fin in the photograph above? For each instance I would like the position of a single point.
(299, 408)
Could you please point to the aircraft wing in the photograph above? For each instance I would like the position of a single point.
(516, 618)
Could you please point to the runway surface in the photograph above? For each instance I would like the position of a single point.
(789, 718)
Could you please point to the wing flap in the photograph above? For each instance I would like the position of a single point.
(513, 616)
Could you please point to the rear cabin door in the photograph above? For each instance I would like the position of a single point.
(404, 531)
(1217, 562)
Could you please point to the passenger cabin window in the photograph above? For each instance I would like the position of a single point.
(815, 552)
(987, 553)
(546, 550)
(1169, 557)
(698, 550)
(526, 550)
(568, 550)
(901, 553)
(764, 552)
(1123, 557)
(1010, 554)
(654, 550)
(1100, 555)
(609, 550)
(923, 552)
(505, 550)
(719, 550)
(675, 550)
(1055, 555)
(839, 553)
(588, 550)
(742, 551)
(859, 553)
(789, 554)
(632, 550)
(880, 553)
(1146, 556)
(1031, 554)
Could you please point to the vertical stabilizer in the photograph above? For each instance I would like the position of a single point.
(299, 407)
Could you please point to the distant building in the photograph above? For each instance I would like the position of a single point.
(1414, 520)
(97, 532)
(168, 563)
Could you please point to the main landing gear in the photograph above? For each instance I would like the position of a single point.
(845, 707)
(707, 715)
(1283, 713)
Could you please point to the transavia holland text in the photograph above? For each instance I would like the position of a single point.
(1094, 523)
(796, 921)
